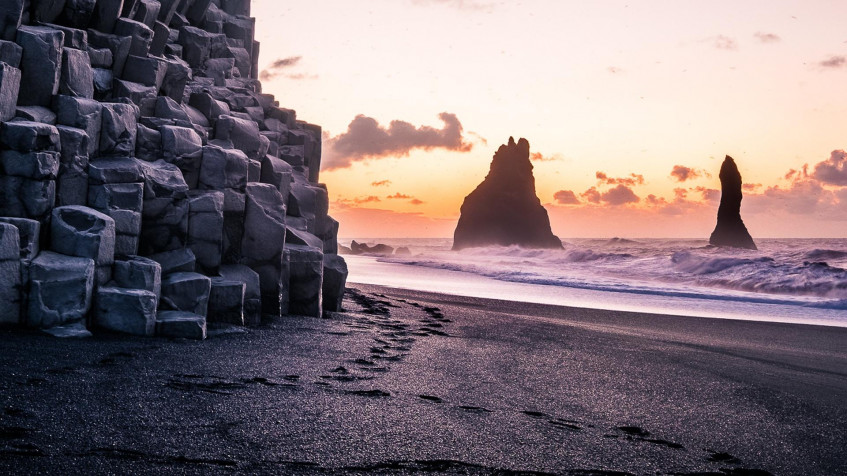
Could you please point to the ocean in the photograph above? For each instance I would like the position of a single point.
(786, 280)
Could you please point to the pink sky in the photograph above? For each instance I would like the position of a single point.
(630, 106)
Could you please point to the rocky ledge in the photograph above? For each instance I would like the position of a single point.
(147, 185)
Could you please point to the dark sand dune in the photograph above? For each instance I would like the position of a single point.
(411, 382)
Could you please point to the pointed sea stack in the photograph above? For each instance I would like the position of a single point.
(504, 210)
(730, 230)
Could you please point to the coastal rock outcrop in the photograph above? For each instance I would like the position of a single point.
(504, 209)
(730, 230)
(147, 184)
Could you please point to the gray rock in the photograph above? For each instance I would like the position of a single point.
(106, 13)
(329, 235)
(103, 83)
(136, 272)
(10, 84)
(306, 281)
(188, 292)
(184, 148)
(147, 11)
(243, 133)
(167, 108)
(10, 18)
(33, 165)
(293, 154)
(29, 232)
(161, 32)
(210, 107)
(60, 289)
(41, 64)
(116, 170)
(27, 136)
(197, 11)
(162, 180)
(196, 45)
(252, 291)
(335, 280)
(149, 71)
(176, 77)
(300, 237)
(119, 126)
(25, 198)
(10, 53)
(74, 38)
(10, 274)
(142, 96)
(176, 261)
(148, 144)
(264, 237)
(164, 225)
(302, 199)
(223, 169)
(36, 114)
(167, 10)
(183, 325)
(85, 114)
(277, 173)
(78, 13)
(205, 229)
(118, 45)
(100, 57)
(226, 302)
(85, 233)
(128, 311)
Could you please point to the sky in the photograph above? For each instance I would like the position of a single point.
(629, 108)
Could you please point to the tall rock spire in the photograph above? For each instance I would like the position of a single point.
(503, 209)
(730, 230)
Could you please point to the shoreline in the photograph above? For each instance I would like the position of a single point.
(408, 381)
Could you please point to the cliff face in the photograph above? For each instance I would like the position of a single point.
(503, 209)
(730, 230)
(147, 185)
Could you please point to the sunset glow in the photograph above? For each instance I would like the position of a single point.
(607, 93)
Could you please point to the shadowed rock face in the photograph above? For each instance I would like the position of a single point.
(504, 210)
(730, 230)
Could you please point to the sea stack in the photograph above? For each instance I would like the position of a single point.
(504, 210)
(730, 230)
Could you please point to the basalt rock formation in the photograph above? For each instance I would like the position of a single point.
(147, 185)
(730, 230)
(504, 209)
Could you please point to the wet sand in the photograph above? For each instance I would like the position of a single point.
(409, 382)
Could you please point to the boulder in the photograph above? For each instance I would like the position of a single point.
(242, 133)
(188, 292)
(72, 180)
(149, 71)
(29, 232)
(223, 169)
(277, 173)
(176, 261)
(305, 281)
(85, 114)
(77, 13)
(119, 46)
(106, 13)
(27, 136)
(140, 33)
(10, 85)
(77, 77)
(205, 228)
(10, 53)
(41, 64)
(118, 128)
(128, 311)
(226, 302)
(85, 233)
(335, 280)
(252, 290)
(11, 12)
(196, 45)
(26, 198)
(59, 289)
(115, 170)
(264, 238)
(42, 165)
(36, 114)
(136, 272)
(504, 209)
(10, 274)
(183, 147)
(730, 230)
(178, 324)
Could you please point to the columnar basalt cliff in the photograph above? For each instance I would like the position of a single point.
(504, 209)
(147, 185)
(730, 230)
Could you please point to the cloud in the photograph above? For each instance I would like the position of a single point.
(539, 157)
(751, 187)
(345, 202)
(381, 183)
(278, 67)
(723, 42)
(767, 37)
(614, 70)
(833, 171)
(591, 195)
(460, 4)
(708, 194)
(834, 62)
(631, 180)
(415, 201)
(682, 173)
(620, 195)
(566, 197)
(399, 196)
(367, 139)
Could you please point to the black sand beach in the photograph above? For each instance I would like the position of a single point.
(416, 382)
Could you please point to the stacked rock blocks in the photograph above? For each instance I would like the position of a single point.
(147, 186)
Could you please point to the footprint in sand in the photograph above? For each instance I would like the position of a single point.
(533, 413)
